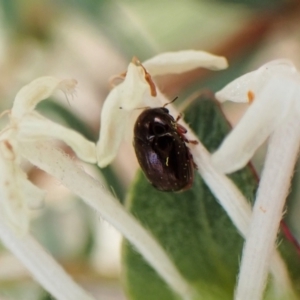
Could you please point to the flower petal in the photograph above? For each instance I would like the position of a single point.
(37, 90)
(238, 90)
(135, 92)
(117, 112)
(34, 126)
(42, 266)
(132, 89)
(183, 61)
(112, 130)
(271, 106)
(34, 196)
(16, 190)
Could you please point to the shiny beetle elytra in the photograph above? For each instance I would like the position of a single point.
(160, 147)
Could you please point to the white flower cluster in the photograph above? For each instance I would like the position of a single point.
(273, 91)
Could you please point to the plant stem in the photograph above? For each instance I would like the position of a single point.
(268, 209)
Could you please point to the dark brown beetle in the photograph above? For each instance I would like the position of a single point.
(159, 144)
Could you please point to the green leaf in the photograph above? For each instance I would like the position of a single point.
(192, 227)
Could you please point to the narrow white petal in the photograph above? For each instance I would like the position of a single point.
(37, 90)
(238, 89)
(34, 196)
(41, 265)
(273, 189)
(117, 111)
(12, 200)
(35, 126)
(132, 89)
(17, 193)
(112, 130)
(268, 110)
(183, 61)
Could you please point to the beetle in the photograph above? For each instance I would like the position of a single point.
(161, 150)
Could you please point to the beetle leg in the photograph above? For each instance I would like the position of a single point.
(178, 117)
(194, 142)
(180, 129)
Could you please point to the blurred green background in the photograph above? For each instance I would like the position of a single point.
(93, 40)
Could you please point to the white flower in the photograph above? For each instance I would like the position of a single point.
(273, 92)
(137, 90)
(17, 193)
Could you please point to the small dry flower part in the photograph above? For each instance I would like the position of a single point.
(135, 92)
(274, 93)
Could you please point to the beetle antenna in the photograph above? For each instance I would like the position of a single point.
(170, 101)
